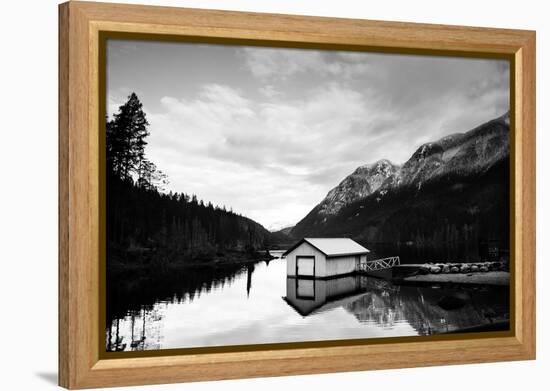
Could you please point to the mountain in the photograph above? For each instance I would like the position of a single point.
(281, 238)
(286, 230)
(279, 226)
(364, 181)
(448, 198)
(467, 153)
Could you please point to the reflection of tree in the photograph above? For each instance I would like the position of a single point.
(116, 345)
(138, 344)
(373, 308)
(134, 302)
(144, 331)
(249, 271)
(420, 307)
(129, 293)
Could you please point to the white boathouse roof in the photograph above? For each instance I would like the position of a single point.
(332, 247)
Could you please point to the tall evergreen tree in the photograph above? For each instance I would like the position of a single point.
(126, 134)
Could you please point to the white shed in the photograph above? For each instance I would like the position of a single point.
(324, 257)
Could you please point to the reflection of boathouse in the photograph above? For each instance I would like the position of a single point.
(324, 257)
(376, 302)
(307, 295)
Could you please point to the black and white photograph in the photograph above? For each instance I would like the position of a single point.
(265, 195)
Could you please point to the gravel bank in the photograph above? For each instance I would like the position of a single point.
(489, 278)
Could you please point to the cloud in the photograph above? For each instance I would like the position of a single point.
(269, 91)
(232, 150)
(277, 63)
(273, 62)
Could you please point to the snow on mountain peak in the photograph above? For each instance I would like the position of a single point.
(364, 181)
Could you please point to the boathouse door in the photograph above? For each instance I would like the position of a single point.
(305, 266)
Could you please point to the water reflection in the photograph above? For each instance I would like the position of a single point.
(429, 310)
(235, 305)
(136, 305)
(249, 271)
(310, 296)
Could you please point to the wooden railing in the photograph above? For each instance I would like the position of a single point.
(378, 264)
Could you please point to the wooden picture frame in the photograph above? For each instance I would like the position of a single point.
(81, 24)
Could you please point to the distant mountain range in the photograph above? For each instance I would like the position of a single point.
(464, 176)
(286, 230)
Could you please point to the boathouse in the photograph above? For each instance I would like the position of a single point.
(324, 257)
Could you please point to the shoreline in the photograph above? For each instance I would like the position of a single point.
(233, 258)
(498, 278)
(503, 325)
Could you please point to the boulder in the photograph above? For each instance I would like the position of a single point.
(454, 269)
(465, 268)
(424, 269)
(435, 270)
(446, 269)
(474, 268)
(484, 269)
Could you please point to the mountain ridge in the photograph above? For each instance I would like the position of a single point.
(430, 160)
(363, 206)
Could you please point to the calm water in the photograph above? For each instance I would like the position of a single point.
(259, 304)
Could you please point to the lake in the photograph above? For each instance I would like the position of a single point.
(257, 303)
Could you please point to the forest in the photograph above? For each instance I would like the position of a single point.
(147, 225)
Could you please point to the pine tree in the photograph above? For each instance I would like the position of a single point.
(126, 134)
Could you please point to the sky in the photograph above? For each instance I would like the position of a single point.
(268, 132)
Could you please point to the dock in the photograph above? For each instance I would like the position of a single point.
(378, 264)
(380, 268)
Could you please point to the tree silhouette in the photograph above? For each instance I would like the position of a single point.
(126, 134)
(143, 219)
(149, 177)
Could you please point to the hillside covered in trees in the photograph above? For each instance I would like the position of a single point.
(146, 225)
